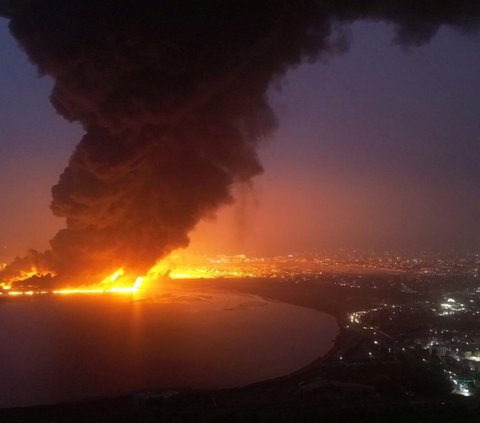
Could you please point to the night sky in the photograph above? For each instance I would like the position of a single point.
(376, 148)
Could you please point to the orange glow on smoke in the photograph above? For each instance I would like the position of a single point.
(6, 285)
(184, 266)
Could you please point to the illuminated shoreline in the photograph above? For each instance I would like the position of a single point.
(73, 291)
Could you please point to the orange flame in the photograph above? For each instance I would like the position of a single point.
(175, 266)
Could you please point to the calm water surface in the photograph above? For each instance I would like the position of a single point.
(67, 348)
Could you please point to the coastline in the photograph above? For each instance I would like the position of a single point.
(330, 327)
(311, 393)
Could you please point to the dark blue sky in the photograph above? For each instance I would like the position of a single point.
(377, 148)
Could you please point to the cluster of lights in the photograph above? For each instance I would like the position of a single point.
(451, 307)
(357, 316)
(461, 388)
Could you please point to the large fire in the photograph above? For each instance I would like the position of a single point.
(175, 266)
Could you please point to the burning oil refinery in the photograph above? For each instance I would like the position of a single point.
(172, 97)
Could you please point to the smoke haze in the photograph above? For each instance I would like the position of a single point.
(172, 97)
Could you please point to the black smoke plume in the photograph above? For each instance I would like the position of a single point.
(172, 97)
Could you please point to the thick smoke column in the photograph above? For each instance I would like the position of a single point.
(172, 97)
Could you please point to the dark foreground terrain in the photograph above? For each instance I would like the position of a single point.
(255, 405)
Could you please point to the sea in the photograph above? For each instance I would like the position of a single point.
(67, 348)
